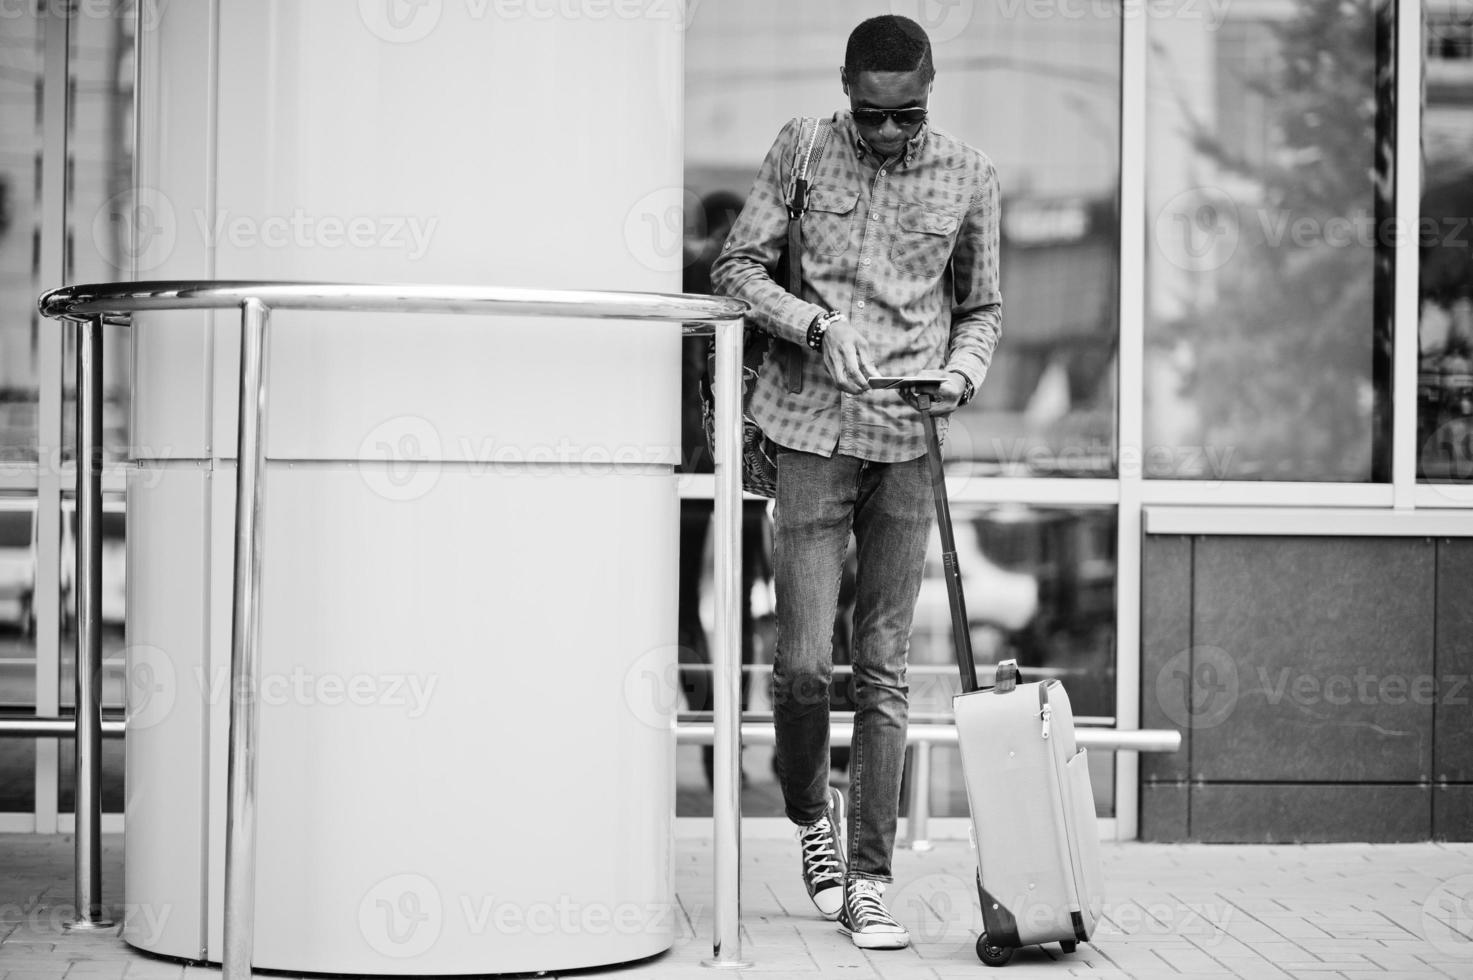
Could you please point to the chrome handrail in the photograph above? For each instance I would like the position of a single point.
(97, 305)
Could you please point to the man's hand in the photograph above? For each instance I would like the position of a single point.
(846, 356)
(945, 398)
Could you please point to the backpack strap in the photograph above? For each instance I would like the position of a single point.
(791, 353)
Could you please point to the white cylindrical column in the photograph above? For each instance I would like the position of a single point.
(468, 624)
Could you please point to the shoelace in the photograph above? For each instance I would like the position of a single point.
(818, 853)
(866, 907)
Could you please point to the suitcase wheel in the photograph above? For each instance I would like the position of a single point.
(1067, 945)
(990, 954)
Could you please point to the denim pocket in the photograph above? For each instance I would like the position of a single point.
(827, 222)
(923, 241)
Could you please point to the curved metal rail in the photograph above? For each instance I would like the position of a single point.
(94, 306)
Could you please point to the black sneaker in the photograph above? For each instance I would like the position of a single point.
(823, 858)
(866, 921)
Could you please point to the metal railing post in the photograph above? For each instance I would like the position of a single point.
(87, 801)
(245, 711)
(726, 658)
(920, 796)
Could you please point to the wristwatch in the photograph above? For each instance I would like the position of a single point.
(967, 389)
(820, 326)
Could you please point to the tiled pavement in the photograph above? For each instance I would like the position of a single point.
(1258, 912)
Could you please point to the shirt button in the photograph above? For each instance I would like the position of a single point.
(866, 262)
(874, 216)
(860, 304)
(882, 173)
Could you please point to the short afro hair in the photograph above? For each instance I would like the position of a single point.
(889, 43)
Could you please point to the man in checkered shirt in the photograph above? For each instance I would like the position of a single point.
(899, 277)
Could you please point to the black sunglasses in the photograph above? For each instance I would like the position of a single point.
(912, 116)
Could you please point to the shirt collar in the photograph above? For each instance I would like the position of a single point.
(912, 146)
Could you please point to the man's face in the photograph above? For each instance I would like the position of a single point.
(886, 90)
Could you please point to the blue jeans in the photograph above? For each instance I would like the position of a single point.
(887, 506)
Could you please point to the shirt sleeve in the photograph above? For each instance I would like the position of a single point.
(743, 270)
(976, 316)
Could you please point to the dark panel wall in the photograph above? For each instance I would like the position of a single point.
(1321, 686)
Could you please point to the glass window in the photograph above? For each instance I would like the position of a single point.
(1039, 93)
(1268, 279)
(17, 646)
(100, 199)
(1445, 324)
(20, 151)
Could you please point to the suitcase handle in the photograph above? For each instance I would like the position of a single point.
(1007, 677)
(960, 624)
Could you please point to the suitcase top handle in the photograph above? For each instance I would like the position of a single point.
(1007, 677)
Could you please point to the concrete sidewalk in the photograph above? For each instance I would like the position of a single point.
(1257, 912)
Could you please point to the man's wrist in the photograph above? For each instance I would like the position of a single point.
(820, 326)
(968, 389)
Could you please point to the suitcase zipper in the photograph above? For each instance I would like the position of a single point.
(1047, 714)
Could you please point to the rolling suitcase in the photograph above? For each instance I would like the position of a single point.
(1039, 876)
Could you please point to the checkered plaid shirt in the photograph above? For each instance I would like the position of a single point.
(907, 250)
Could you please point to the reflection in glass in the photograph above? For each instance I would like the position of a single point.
(100, 207)
(1039, 93)
(1040, 588)
(20, 149)
(17, 646)
(1445, 240)
(1268, 269)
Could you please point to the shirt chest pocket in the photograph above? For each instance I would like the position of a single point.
(924, 238)
(827, 223)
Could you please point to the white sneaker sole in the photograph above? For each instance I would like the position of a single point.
(883, 940)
